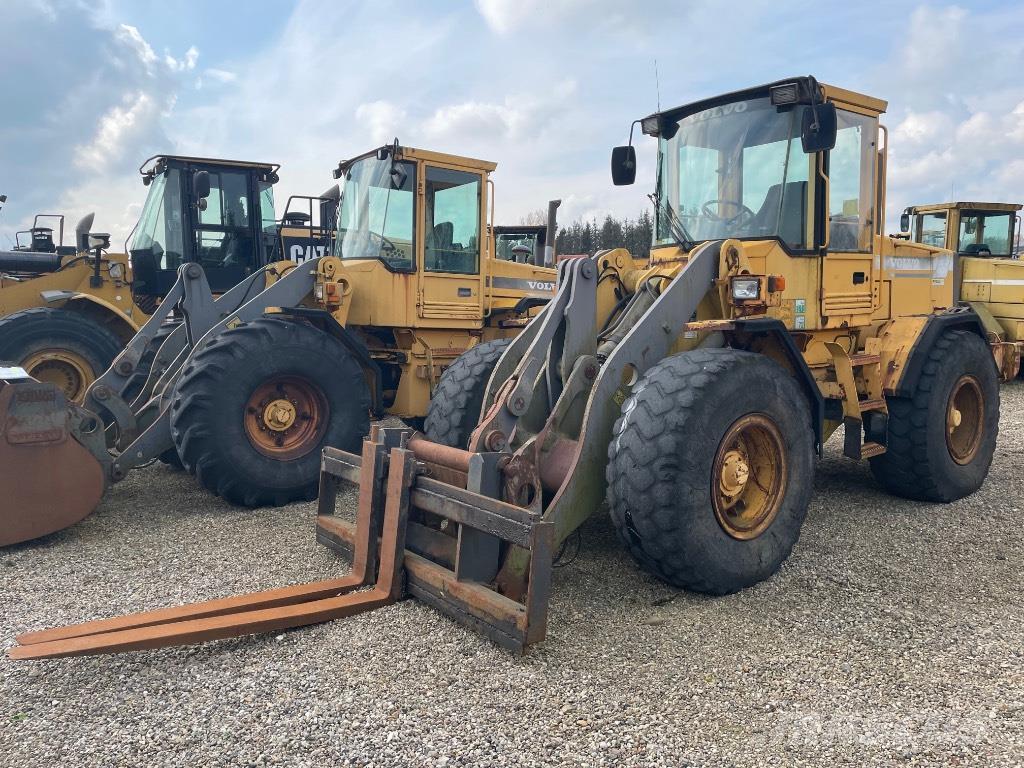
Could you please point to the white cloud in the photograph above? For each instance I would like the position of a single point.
(131, 37)
(220, 75)
(383, 120)
(187, 63)
(134, 117)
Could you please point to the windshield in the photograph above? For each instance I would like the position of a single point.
(985, 233)
(376, 215)
(736, 170)
(160, 225)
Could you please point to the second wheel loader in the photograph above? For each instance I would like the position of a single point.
(248, 387)
(66, 311)
(990, 276)
(691, 394)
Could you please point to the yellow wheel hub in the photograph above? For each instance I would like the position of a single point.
(749, 476)
(279, 415)
(965, 420)
(66, 369)
(734, 474)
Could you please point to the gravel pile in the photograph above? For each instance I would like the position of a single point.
(894, 635)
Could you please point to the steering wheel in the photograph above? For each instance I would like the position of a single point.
(383, 244)
(742, 211)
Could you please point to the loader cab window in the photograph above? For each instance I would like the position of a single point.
(930, 229)
(851, 172)
(733, 170)
(158, 238)
(376, 214)
(521, 247)
(452, 222)
(224, 236)
(268, 222)
(985, 234)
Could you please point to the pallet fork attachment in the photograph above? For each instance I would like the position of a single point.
(392, 483)
(382, 513)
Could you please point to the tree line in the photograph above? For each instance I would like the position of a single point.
(590, 236)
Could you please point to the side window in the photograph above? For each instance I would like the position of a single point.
(268, 220)
(985, 234)
(453, 221)
(852, 183)
(931, 229)
(227, 205)
(223, 237)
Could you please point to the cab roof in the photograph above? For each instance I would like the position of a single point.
(411, 153)
(841, 96)
(150, 165)
(934, 207)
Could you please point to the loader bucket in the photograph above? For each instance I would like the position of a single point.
(50, 480)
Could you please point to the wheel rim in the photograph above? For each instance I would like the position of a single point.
(286, 417)
(748, 477)
(66, 369)
(965, 413)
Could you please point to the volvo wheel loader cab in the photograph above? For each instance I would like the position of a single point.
(412, 283)
(65, 312)
(690, 394)
(989, 275)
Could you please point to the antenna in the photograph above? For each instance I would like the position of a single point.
(657, 85)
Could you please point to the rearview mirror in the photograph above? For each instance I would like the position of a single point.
(200, 185)
(398, 176)
(820, 135)
(623, 165)
(905, 222)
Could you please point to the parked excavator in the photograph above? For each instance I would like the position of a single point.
(990, 276)
(692, 394)
(245, 389)
(66, 311)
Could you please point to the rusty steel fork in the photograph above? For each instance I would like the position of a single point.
(274, 609)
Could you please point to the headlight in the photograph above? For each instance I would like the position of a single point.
(318, 292)
(116, 271)
(746, 287)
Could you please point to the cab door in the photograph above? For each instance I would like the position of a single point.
(849, 273)
(227, 237)
(450, 281)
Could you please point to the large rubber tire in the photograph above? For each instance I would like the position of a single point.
(42, 329)
(209, 409)
(662, 458)
(918, 463)
(455, 407)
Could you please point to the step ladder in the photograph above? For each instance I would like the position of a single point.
(857, 404)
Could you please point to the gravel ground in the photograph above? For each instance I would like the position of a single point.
(894, 635)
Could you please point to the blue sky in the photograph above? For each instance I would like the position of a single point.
(543, 87)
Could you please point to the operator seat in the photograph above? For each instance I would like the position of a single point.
(977, 249)
(791, 224)
(439, 246)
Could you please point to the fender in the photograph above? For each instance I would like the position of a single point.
(325, 321)
(770, 326)
(960, 319)
(119, 321)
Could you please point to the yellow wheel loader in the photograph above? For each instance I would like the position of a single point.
(66, 312)
(692, 394)
(990, 275)
(245, 389)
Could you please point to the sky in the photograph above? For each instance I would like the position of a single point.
(545, 88)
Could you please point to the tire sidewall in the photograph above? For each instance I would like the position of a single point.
(685, 466)
(970, 355)
(348, 411)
